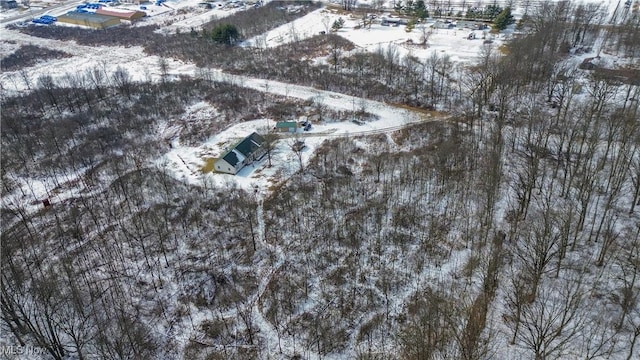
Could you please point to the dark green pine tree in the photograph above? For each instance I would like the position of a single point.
(421, 10)
(491, 11)
(503, 19)
(409, 7)
(225, 34)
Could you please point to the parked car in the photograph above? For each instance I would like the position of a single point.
(40, 21)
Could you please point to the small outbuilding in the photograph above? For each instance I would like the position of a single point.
(298, 146)
(95, 21)
(286, 126)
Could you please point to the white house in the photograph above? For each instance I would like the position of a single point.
(244, 153)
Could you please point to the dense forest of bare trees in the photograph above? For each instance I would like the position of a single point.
(510, 229)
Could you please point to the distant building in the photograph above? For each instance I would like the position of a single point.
(244, 153)
(587, 64)
(8, 4)
(443, 25)
(122, 15)
(386, 21)
(473, 25)
(89, 19)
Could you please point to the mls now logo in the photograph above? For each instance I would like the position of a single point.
(15, 350)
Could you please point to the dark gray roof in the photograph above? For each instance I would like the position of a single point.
(231, 158)
(250, 144)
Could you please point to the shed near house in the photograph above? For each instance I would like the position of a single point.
(286, 126)
(244, 153)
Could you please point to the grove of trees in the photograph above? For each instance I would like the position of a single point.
(510, 229)
(225, 34)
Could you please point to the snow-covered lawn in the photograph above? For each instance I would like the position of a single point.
(451, 41)
(186, 162)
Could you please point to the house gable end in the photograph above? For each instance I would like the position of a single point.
(224, 167)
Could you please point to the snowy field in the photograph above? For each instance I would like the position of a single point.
(186, 14)
(143, 67)
(453, 42)
(186, 162)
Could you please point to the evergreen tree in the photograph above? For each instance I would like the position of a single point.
(409, 7)
(410, 26)
(492, 11)
(225, 34)
(503, 19)
(420, 10)
(473, 13)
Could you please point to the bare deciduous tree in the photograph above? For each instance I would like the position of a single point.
(553, 319)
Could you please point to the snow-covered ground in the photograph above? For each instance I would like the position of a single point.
(143, 67)
(451, 41)
(186, 161)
